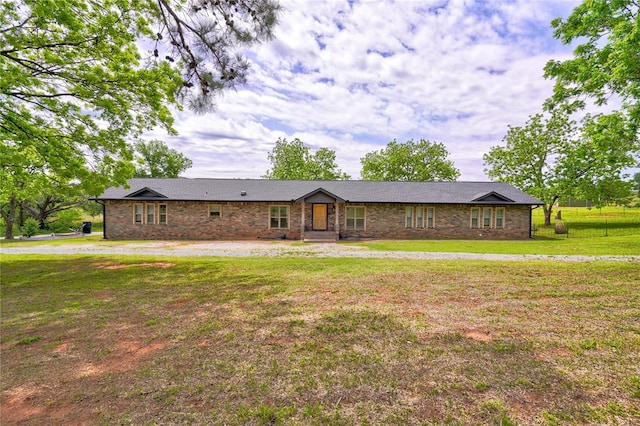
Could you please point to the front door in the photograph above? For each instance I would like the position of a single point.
(319, 217)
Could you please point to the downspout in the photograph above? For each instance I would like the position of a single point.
(531, 221)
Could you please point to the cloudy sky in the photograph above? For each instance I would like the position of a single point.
(353, 75)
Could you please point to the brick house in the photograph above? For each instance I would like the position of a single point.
(249, 209)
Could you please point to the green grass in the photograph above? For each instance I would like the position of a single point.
(263, 341)
(586, 222)
(589, 214)
(618, 246)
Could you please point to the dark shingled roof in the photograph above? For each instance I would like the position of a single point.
(353, 191)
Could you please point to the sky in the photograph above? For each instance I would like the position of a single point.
(352, 76)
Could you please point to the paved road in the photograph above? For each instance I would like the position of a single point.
(275, 248)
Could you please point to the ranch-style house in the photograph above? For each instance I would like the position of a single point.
(250, 209)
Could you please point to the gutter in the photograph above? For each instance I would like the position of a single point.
(537, 206)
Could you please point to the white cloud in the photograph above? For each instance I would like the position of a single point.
(353, 78)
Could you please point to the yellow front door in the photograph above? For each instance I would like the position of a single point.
(319, 217)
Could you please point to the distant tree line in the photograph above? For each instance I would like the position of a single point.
(408, 161)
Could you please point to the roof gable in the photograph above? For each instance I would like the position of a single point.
(145, 192)
(492, 197)
(320, 195)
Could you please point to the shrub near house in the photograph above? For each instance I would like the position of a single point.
(255, 208)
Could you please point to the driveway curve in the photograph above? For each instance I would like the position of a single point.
(278, 248)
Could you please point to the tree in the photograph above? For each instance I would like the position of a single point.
(551, 158)
(636, 182)
(156, 159)
(606, 62)
(409, 161)
(43, 207)
(294, 160)
(75, 86)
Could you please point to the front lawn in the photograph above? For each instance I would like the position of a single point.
(167, 340)
(596, 246)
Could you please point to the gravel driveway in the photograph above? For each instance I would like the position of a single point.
(277, 248)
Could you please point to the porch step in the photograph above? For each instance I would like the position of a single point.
(320, 237)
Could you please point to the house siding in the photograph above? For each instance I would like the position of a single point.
(250, 221)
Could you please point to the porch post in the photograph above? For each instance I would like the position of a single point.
(302, 222)
(337, 218)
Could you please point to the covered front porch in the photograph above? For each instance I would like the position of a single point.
(320, 216)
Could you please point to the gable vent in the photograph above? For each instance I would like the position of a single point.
(492, 197)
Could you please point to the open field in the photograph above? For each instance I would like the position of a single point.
(586, 222)
(289, 340)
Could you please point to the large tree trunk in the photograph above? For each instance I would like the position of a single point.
(547, 214)
(547, 208)
(9, 215)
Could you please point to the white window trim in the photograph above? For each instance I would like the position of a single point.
(220, 210)
(364, 218)
(420, 217)
(493, 221)
(409, 217)
(166, 214)
(426, 217)
(479, 217)
(142, 212)
(146, 213)
(495, 215)
(156, 213)
(280, 217)
(490, 210)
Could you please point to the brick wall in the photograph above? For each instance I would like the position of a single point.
(190, 220)
(387, 221)
(250, 221)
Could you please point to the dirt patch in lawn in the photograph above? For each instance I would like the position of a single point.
(478, 335)
(30, 402)
(128, 355)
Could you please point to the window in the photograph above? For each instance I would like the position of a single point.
(475, 217)
(431, 217)
(355, 218)
(137, 213)
(500, 218)
(424, 217)
(486, 217)
(408, 213)
(420, 218)
(215, 210)
(279, 217)
(138, 210)
(151, 213)
(491, 218)
(162, 214)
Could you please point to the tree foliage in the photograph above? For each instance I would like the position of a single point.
(294, 160)
(409, 161)
(75, 87)
(552, 158)
(156, 159)
(607, 60)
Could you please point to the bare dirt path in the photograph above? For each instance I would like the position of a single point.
(278, 248)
